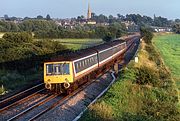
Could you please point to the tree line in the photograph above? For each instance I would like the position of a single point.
(19, 51)
(176, 26)
(49, 29)
(114, 30)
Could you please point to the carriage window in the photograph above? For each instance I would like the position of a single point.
(49, 68)
(58, 69)
(65, 69)
(83, 63)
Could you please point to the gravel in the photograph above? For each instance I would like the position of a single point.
(21, 106)
(76, 104)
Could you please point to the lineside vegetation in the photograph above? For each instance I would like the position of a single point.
(143, 92)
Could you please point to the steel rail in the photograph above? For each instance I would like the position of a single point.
(32, 107)
(60, 102)
(19, 94)
(26, 98)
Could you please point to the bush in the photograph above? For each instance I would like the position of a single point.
(146, 34)
(12, 80)
(146, 76)
(108, 37)
(2, 90)
(18, 38)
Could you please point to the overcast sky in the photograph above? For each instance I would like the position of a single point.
(73, 8)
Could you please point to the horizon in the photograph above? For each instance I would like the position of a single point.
(57, 10)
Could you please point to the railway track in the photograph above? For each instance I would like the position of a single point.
(21, 107)
(43, 104)
(10, 100)
(69, 107)
(60, 102)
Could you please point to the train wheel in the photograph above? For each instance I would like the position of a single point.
(75, 85)
(69, 91)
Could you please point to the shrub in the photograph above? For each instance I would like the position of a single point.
(146, 34)
(12, 80)
(146, 76)
(18, 37)
(2, 90)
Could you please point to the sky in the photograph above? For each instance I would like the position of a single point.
(73, 8)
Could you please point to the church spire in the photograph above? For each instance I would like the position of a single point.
(89, 12)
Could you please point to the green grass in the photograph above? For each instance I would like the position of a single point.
(128, 101)
(169, 47)
(76, 44)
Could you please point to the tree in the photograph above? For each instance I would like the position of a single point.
(39, 17)
(176, 28)
(48, 17)
(119, 33)
(108, 37)
(6, 17)
(121, 17)
(146, 34)
(18, 38)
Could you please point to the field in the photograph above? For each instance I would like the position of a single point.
(76, 44)
(169, 47)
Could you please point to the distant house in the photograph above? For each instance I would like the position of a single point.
(128, 23)
(91, 22)
(161, 29)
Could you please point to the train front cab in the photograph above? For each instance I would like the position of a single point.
(58, 75)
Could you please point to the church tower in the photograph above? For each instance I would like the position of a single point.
(89, 12)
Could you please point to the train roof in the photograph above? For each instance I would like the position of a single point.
(115, 42)
(108, 45)
(71, 56)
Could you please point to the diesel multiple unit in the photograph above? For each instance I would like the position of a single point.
(66, 72)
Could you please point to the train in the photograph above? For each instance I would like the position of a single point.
(66, 73)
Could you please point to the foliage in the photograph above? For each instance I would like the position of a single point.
(146, 34)
(146, 76)
(18, 37)
(8, 27)
(47, 28)
(153, 55)
(112, 31)
(108, 37)
(128, 101)
(161, 22)
(176, 28)
(37, 25)
(20, 48)
(14, 80)
(2, 90)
